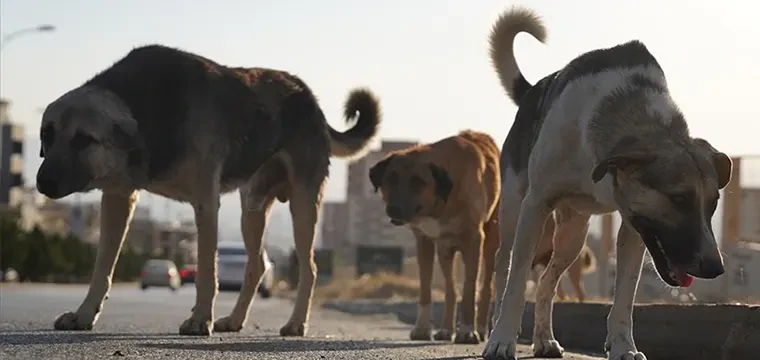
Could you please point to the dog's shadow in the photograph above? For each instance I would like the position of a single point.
(275, 344)
(54, 337)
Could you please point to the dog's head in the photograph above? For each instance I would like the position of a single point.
(410, 187)
(87, 136)
(669, 194)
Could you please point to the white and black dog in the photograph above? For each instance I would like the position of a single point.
(602, 134)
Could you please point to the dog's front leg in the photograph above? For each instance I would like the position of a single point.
(206, 207)
(425, 258)
(471, 254)
(116, 213)
(446, 261)
(630, 256)
(502, 344)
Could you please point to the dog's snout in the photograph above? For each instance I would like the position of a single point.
(707, 268)
(394, 212)
(47, 185)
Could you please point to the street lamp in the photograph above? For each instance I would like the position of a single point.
(36, 29)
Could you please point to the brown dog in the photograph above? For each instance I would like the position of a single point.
(447, 193)
(584, 264)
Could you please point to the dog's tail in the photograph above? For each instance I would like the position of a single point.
(353, 142)
(502, 39)
(588, 261)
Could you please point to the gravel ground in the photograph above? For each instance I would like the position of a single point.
(144, 325)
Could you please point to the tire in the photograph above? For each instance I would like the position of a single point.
(143, 287)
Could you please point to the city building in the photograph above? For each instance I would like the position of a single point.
(11, 155)
(334, 219)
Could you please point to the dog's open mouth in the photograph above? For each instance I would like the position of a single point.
(671, 273)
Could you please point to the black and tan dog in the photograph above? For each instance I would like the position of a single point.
(182, 126)
(447, 193)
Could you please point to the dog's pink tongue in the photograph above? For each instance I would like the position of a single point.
(684, 279)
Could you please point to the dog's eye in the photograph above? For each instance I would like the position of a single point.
(393, 179)
(416, 183)
(81, 141)
(679, 199)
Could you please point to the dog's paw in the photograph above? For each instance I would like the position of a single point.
(197, 327)
(483, 334)
(499, 348)
(547, 349)
(74, 321)
(420, 334)
(630, 355)
(443, 335)
(227, 324)
(293, 328)
(467, 337)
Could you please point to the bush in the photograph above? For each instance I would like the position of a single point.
(39, 257)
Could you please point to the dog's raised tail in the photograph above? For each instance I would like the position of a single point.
(353, 142)
(502, 39)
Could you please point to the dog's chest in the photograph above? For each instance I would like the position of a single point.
(444, 234)
(430, 227)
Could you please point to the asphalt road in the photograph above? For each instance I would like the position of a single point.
(144, 325)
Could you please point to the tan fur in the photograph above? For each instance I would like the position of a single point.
(584, 264)
(466, 222)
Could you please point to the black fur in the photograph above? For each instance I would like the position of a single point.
(535, 101)
(258, 109)
(377, 171)
(443, 182)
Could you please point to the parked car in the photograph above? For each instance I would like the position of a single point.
(231, 268)
(187, 273)
(160, 273)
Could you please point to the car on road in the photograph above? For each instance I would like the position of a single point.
(187, 273)
(160, 273)
(231, 268)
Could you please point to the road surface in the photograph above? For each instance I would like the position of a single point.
(144, 325)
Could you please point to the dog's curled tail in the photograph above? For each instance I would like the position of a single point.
(588, 261)
(502, 39)
(353, 142)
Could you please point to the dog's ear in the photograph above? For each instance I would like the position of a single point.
(377, 172)
(722, 162)
(625, 155)
(443, 182)
(723, 166)
(129, 142)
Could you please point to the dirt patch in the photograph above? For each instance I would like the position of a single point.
(380, 286)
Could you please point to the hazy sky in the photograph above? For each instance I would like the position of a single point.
(426, 60)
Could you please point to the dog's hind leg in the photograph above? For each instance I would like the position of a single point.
(253, 222)
(206, 208)
(575, 274)
(116, 214)
(630, 256)
(446, 261)
(569, 237)
(534, 212)
(490, 246)
(304, 207)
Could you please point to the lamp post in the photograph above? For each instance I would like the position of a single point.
(30, 30)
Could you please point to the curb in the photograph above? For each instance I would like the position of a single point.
(661, 331)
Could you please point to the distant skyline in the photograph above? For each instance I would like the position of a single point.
(426, 60)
